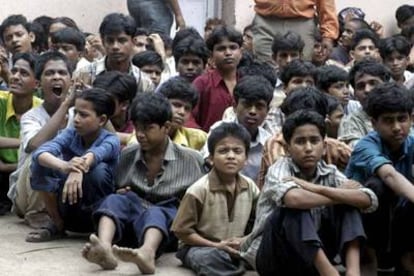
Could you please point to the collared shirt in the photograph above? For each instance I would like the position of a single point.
(370, 153)
(10, 124)
(274, 190)
(252, 166)
(337, 153)
(353, 127)
(326, 10)
(144, 83)
(68, 144)
(184, 136)
(214, 211)
(180, 168)
(214, 98)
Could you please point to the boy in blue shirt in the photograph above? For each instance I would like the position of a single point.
(383, 161)
(74, 171)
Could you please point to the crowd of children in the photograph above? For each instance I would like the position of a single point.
(236, 151)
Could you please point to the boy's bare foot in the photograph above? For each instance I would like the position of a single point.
(143, 259)
(97, 252)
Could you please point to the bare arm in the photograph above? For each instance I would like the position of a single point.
(9, 143)
(48, 160)
(50, 130)
(175, 6)
(396, 181)
(6, 167)
(303, 199)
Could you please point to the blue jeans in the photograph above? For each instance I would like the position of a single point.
(132, 219)
(96, 185)
(154, 15)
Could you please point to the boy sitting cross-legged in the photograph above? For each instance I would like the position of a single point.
(74, 171)
(214, 212)
(307, 211)
(152, 177)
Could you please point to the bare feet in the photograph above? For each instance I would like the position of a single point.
(97, 252)
(143, 259)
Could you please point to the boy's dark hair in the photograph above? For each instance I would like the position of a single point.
(102, 101)
(371, 67)
(388, 98)
(141, 31)
(40, 42)
(115, 23)
(253, 89)
(396, 43)
(148, 58)
(180, 89)
(48, 56)
(45, 21)
(67, 21)
(246, 60)
(150, 108)
(225, 130)
(248, 28)
(191, 46)
(185, 33)
(261, 69)
(403, 13)
(297, 68)
(305, 98)
(362, 24)
(333, 103)
(71, 36)
(13, 20)
(222, 32)
(29, 57)
(289, 41)
(328, 75)
(214, 21)
(120, 85)
(362, 34)
(300, 118)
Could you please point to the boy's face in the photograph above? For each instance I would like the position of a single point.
(152, 136)
(364, 84)
(319, 55)
(340, 90)
(297, 81)
(306, 148)
(349, 30)
(17, 39)
(226, 55)
(141, 43)
(365, 48)
(181, 112)
(248, 40)
(397, 63)
(118, 47)
(190, 67)
(334, 120)
(86, 122)
(69, 50)
(393, 128)
(407, 23)
(229, 156)
(284, 57)
(153, 72)
(55, 82)
(22, 79)
(251, 114)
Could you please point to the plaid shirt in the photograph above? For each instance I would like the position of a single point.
(354, 127)
(274, 191)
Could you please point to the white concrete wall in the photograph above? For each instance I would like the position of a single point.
(382, 11)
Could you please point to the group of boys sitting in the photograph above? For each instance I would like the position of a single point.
(236, 166)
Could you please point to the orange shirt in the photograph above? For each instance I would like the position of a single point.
(325, 9)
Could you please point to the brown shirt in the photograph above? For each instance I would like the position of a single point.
(210, 209)
(325, 9)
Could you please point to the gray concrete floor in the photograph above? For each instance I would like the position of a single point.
(62, 257)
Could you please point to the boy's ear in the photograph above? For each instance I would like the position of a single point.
(167, 126)
(351, 54)
(124, 105)
(102, 120)
(374, 123)
(32, 37)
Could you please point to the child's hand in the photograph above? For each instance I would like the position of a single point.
(123, 190)
(80, 163)
(302, 183)
(72, 191)
(235, 242)
(225, 246)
